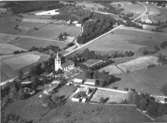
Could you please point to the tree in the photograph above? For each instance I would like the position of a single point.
(164, 89)
(20, 75)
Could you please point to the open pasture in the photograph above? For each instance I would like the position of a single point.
(53, 30)
(132, 65)
(129, 7)
(8, 48)
(157, 14)
(28, 43)
(17, 62)
(146, 80)
(138, 63)
(127, 39)
(11, 64)
(8, 24)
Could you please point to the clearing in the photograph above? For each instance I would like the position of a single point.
(127, 38)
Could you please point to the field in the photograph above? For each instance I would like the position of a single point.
(114, 97)
(90, 5)
(129, 7)
(127, 39)
(28, 43)
(76, 113)
(147, 80)
(157, 14)
(139, 63)
(87, 113)
(10, 65)
(38, 34)
(8, 48)
(51, 31)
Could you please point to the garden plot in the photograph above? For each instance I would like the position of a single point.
(112, 69)
(113, 96)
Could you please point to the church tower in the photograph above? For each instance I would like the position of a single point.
(57, 63)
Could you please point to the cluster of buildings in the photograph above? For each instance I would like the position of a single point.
(82, 94)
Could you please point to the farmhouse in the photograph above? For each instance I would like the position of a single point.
(77, 81)
(92, 62)
(90, 82)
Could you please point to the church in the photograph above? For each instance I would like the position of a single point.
(66, 67)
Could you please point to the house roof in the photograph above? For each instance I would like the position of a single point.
(67, 63)
(92, 62)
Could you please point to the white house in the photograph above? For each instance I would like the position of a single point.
(90, 82)
(49, 12)
(77, 81)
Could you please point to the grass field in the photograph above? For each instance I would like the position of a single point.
(53, 30)
(147, 80)
(8, 48)
(76, 113)
(28, 43)
(8, 24)
(129, 7)
(127, 39)
(157, 14)
(10, 65)
(114, 97)
(87, 113)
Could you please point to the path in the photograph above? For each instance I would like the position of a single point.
(89, 42)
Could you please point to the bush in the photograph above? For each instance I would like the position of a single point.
(104, 100)
(164, 89)
(163, 44)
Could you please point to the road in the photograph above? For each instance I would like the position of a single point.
(118, 27)
(89, 42)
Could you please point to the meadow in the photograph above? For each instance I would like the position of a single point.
(51, 31)
(146, 80)
(12, 64)
(76, 112)
(28, 43)
(8, 48)
(129, 8)
(127, 38)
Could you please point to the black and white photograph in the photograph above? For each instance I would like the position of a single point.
(83, 61)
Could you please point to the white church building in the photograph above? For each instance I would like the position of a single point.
(67, 66)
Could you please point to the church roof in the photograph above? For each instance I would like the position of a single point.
(67, 63)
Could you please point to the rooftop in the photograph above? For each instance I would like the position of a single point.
(92, 62)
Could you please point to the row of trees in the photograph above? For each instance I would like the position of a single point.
(87, 54)
(95, 26)
(49, 49)
(147, 103)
